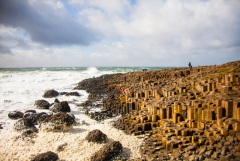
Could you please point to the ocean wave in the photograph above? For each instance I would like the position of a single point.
(91, 70)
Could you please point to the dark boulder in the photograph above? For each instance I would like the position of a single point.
(48, 156)
(96, 136)
(50, 94)
(61, 107)
(42, 104)
(25, 124)
(73, 94)
(56, 100)
(58, 122)
(29, 113)
(107, 152)
(15, 115)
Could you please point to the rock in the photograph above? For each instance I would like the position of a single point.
(56, 100)
(42, 104)
(230, 138)
(202, 151)
(61, 147)
(96, 136)
(61, 107)
(29, 113)
(15, 115)
(58, 122)
(48, 156)
(215, 155)
(177, 154)
(192, 158)
(107, 152)
(188, 154)
(72, 94)
(223, 152)
(191, 148)
(50, 94)
(24, 124)
(1, 126)
(208, 153)
(63, 93)
(32, 111)
(28, 133)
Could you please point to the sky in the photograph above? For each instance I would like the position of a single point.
(83, 33)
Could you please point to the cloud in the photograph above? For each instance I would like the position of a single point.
(46, 22)
(16, 40)
(4, 49)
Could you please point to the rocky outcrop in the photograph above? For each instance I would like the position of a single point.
(50, 94)
(42, 104)
(180, 111)
(15, 115)
(96, 136)
(107, 152)
(56, 123)
(48, 156)
(61, 107)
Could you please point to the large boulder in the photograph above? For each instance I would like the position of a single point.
(61, 107)
(42, 104)
(56, 123)
(107, 152)
(15, 115)
(96, 136)
(25, 124)
(50, 94)
(48, 156)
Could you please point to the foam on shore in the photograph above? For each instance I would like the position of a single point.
(76, 149)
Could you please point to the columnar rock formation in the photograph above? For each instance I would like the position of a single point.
(178, 109)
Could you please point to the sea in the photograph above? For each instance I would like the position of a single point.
(21, 87)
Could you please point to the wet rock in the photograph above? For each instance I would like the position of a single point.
(24, 124)
(58, 122)
(48, 156)
(28, 133)
(50, 94)
(107, 152)
(42, 104)
(72, 94)
(96, 136)
(15, 115)
(61, 107)
(56, 100)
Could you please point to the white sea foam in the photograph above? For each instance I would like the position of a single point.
(22, 89)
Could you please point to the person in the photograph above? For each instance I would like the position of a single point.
(125, 79)
(190, 65)
(122, 91)
(138, 77)
(93, 77)
(104, 78)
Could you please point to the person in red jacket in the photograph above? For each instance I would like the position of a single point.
(190, 65)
